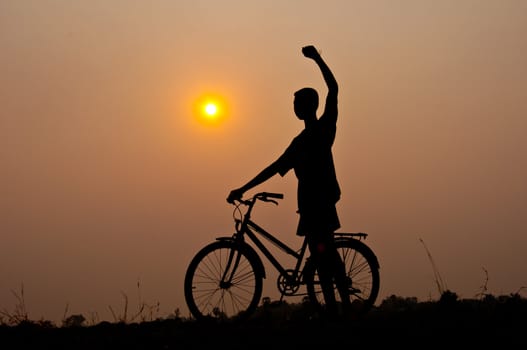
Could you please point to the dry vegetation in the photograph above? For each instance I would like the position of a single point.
(403, 321)
(449, 322)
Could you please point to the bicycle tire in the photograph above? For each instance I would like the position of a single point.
(362, 269)
(208, 298)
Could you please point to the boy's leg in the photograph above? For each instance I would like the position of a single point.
(322, 255)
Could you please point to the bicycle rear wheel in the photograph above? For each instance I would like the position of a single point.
(223, 282)
(362, 269)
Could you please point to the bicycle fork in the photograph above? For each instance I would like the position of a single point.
(230, 269)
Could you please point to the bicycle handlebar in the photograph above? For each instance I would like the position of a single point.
(263, 196)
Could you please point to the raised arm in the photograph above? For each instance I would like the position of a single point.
(331, 100)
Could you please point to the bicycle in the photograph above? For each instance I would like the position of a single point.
(224, 280)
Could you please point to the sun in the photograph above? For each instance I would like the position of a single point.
(210, 109)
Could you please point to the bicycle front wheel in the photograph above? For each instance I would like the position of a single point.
(223, 282)
(362, 270)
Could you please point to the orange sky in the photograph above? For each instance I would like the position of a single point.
(108, 179)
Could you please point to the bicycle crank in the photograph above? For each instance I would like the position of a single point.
(287, 283)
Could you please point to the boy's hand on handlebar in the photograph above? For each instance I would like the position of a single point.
(234, 195)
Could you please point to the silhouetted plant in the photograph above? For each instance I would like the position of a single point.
(45, 323)
(484, 288)
(121, 317)
(74, 321)
(520, 290)
(176, 316)
(19, 314)
(441, 286)
(448, 298)
(145, 311)
(397, 303)
(216, 312)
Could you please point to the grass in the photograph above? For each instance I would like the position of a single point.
(485, 320)
(19, 314)
(144, 312)
(485, 305)
(397, 320)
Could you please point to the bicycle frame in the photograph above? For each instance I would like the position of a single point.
(246, 227)
(251, 230)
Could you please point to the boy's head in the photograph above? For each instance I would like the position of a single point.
(306, 103)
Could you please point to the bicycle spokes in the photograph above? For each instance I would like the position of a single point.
(362, 273)
(222, 283)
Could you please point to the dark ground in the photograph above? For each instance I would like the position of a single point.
(499, 322)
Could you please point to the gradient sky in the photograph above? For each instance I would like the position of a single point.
(109, 180)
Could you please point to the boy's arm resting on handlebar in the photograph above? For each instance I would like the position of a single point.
(263, 176)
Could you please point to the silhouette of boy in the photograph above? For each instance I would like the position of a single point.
(310, 155)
